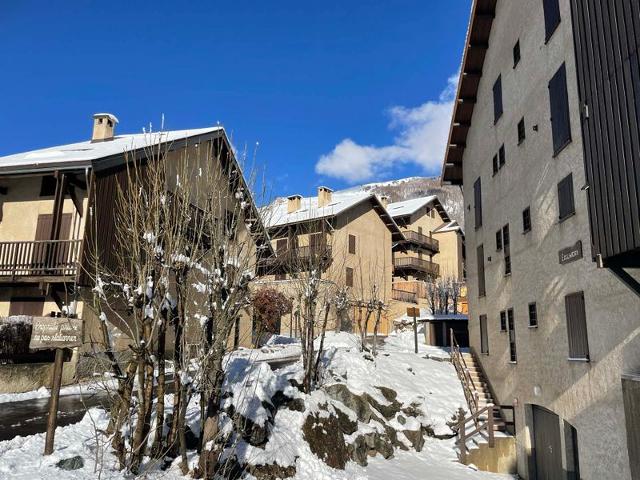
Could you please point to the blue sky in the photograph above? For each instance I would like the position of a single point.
(335, 93)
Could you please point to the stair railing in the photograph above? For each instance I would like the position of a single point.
(468, 384)
(483, 427)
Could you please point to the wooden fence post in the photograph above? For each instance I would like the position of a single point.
(52, 420)
(492, 442)
(462, 437)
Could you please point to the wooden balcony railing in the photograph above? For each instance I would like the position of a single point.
(299, 258)
(416, 264)
(421, 240)
(404, 296)
(39, 258)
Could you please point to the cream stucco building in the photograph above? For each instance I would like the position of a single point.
(553, 309)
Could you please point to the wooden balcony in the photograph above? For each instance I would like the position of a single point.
(422, 241)
(296, 259)
(413, 265)
(39, 260)
(404, 296)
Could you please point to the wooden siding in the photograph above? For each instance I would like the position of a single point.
(607, 43)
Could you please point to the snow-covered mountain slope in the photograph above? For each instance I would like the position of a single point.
(415, 187)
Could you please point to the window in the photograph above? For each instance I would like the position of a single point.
(507, 251)
(503, 321)
(497, 99)
(512, 336)
(481, 284)
(526, 220)
(495, 164)
(48, 186)
(576, 326)
(477, 199)
(352, 244)
(281, 246)
(499, 240)
(516, 54)
(521, 131)
(349, 277)
(566, 205)
(501, 155)
(484, 338)
(551, 17)
(559, 108)
(533, 315)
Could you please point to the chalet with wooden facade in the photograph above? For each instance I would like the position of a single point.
(56, 207)
(544, 140)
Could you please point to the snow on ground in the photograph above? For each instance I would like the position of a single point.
(431, 385)
(78, 389)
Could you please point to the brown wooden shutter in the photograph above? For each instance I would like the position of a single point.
(484, 337)
(577, 326)
(559, 106)
(281, 246)
(349, 277)
(481, 283)
(32, 306)
(352, 244)
(477, 201)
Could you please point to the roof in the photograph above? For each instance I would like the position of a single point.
(276, 215)
(409, 207)
(84, 154)
(451, 226)
(427, 316)
(476, 45)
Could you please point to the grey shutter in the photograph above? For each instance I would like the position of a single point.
(477, 201)
(551, 17)
(484, 338)
(565, 197)
(577, 326)
(559, 107)
(497, 99)
(481, 283)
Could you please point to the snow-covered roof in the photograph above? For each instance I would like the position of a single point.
(451, 226)
(85, 153)
(276, 214)
(408, 207)
(427, 316)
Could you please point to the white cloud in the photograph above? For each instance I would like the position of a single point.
(421, 138)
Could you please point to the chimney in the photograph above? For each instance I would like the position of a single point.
(104, 127)
(324, 196)
(294, 202)
(384, 200)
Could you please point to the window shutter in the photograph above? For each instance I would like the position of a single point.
(349, 277)
(499, 240)
(281, 246)
(484, 338)
(551, 17)
(497, 99)
(352, 244)
(577, 326)
(566, 205)
(481, 283)
(503, 321)
(477, 201)
(559, 107)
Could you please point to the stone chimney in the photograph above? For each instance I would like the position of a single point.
(324, 196)
(294, 203)
(384, 200)
(104, 127)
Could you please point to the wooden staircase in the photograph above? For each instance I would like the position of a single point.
(483, 436)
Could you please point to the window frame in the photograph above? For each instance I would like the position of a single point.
(511, 328)
(499, 240)
(533, 319)
(516, 53)
(477, 202)
(569, 211)
(498, 105)
(522, 131)
(352, 244)
(526, 220)
(503, 321)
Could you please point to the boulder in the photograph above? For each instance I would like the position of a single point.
(347, 426)
(271, 472)
(358, 403)
(72, 463)
(416, 438)
(325, 439)
(280, 400)
(252, 433)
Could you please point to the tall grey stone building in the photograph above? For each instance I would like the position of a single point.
(545, 142)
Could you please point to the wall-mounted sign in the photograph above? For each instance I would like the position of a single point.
(570, 254)
(413, 312)
(52, 332)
